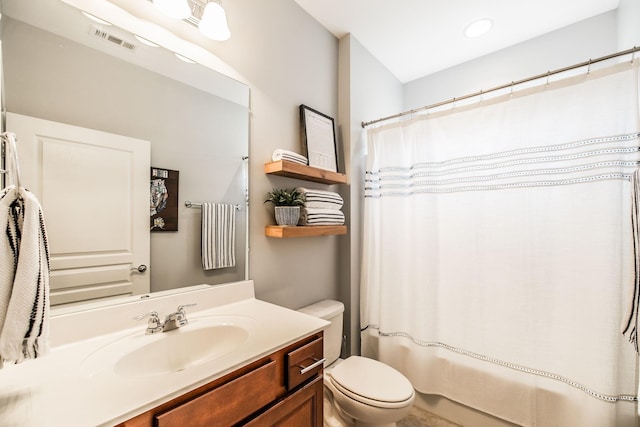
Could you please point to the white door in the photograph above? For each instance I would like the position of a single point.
(94, 190)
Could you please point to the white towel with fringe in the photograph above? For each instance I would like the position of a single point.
(290, 156)
(24, 277)
(630, 322)
(312, 216)
(218, 236)
(321, 199)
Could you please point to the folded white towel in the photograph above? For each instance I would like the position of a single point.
(313, 216)
(24, 277)
(321, 199)
(281, 154)
(218, 236)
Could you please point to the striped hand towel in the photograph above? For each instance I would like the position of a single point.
(290, 156)
(631, 319)
(321, 199)
(218, 236)
(313, 216)
(24, 277)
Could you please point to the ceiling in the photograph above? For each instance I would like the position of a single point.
(415, 38)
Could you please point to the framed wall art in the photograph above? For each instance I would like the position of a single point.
(319, 137)
(164, 199)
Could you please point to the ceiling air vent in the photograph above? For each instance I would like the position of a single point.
(105, 35)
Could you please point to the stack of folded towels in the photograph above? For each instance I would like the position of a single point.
(289, 156)
(321, 208)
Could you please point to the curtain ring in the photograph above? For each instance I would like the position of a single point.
(511, 90)
(548, 74)
(633, 54)
(589, 67)
(453, 103)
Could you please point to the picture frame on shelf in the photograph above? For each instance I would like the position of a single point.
(319, 139)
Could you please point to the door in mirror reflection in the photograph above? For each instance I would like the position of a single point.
(94, 190)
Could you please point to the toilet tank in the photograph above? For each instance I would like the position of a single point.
(330, 311)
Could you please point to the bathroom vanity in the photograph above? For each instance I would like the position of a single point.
(282, 389)
(239, 361)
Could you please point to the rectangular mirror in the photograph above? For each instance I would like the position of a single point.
(61, 67)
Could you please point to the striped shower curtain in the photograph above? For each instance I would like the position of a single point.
(498, 260)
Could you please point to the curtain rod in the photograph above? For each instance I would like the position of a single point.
(505, 86)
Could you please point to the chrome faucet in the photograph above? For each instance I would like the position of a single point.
(154, 325)
(176, 320)
(172, 321)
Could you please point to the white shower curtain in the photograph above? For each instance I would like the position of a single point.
(498, 255)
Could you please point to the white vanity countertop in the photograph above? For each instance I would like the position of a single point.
(56, 390)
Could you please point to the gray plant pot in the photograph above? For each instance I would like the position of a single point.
(287, 215)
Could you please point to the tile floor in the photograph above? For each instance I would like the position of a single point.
(421, 418)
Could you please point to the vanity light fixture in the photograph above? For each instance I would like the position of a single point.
(207, 15)
(478, 28)
(213, 22)
(178, 9)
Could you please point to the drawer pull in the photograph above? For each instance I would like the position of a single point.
(314, 365)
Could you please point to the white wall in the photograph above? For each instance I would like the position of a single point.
(628, 24)
(570, 45)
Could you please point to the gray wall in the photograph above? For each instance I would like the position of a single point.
(202, 136)
(367, 90)
(288, 59)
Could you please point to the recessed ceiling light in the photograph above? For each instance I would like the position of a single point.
(478, 28)
(95, 18)
(145, 41)
(184, 58)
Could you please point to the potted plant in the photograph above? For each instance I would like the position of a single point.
(287, 204)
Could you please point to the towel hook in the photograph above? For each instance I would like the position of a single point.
(9, 139)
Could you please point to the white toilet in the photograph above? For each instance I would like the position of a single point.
(358, 391)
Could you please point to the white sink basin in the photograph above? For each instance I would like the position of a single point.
(141, 355)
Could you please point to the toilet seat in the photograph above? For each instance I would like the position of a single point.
(372, 383)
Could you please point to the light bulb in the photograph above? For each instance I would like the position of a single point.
(478, 28)
(214, 22)
(178, 9)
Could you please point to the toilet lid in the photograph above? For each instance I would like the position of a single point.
(371, 382)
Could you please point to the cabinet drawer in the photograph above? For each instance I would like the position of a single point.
(227, 404)
(304, 362)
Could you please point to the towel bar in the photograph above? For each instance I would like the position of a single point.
(189, 204)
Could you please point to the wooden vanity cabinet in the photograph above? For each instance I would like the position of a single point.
(271, 391)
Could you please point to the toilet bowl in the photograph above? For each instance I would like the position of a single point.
(358, 391)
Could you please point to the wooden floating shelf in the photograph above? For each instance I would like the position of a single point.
(283, 232)
(308, 173)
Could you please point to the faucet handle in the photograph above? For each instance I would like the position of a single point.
(181, 308)
(154, 325)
